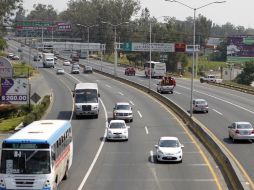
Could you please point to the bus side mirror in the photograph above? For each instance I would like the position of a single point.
(53, 156)
(99, 95)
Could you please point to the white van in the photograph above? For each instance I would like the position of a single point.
(86, 98)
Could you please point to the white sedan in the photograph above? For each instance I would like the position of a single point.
(169, 149)
(60, 71)
(117, 130)
(241, 130)
(66, 63)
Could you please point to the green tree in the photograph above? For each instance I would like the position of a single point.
(3, 44)
(42, 12)
(6, 12)
(94, 11)
(247, 75)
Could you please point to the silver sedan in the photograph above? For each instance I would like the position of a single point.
(241, 130)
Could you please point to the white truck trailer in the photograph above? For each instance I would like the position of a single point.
(48, 60)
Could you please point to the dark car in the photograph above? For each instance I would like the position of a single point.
(130, 71)
(88, 69)
(36, 58)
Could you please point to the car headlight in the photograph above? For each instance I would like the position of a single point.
(95, 108)
(2, 183)
(109, 132)
(117, 114)
(130, 113)
(125, 132)
(78, 107)
(178, 152)
(160, 152)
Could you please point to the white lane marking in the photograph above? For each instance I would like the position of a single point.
(151, 155)
(252, 112)
(97, 80)
(100, 147)
(108, 86)
(147, 132)
(217, 112)
(98, 152)
(139, 114)
(132, 103)
(155, 84)
(177, 92)
(188, 142)
(197, 164)
(120, 93)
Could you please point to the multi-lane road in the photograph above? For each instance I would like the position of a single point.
(225, 107)
(99, 164)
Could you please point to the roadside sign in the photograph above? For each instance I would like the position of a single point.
(155, 47)
(5, 68)
(14, 91)
(35, 97)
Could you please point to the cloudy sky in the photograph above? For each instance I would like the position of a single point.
(239, 13)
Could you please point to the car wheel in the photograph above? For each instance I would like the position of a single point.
(96, 116)
(132, 120)
(229, 136)
(181, 161)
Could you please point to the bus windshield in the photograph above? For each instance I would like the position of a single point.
(86, 96)
(25, 162)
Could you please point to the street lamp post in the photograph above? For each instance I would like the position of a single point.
(194, 42)
(88, 37)
(115, 44)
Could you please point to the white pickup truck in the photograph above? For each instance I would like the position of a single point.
(210, 78)
(166, 85)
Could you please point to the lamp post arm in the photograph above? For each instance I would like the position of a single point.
(180, 3)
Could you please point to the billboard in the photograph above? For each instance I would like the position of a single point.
(14, 91)
(5, 68)
(155, 47)
(44, 24)
(240, 49)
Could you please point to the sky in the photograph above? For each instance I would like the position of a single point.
(238, 13)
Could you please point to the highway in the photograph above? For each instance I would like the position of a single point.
(225, 107)
(99, 164)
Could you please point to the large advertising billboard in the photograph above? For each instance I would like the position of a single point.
(45, 25)
(14, 91)
(240, 49)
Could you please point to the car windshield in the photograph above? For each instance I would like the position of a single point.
(117, 126)
(123, 107)
(201, 102)
(25, 162)
(244, 126)
(169, 143)
(86, 96)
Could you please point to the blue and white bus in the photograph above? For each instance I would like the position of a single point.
(37, 157)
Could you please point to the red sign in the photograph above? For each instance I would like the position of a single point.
(180, 47)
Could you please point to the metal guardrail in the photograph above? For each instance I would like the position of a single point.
(238, 88)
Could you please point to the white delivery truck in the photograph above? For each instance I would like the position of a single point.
(86, 98)
(48, 60)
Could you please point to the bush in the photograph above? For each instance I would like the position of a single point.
(38, 111)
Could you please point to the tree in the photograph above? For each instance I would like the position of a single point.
(42, 12)
(6, 12)
(247, 75)
(3, 44)
(94, 11)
